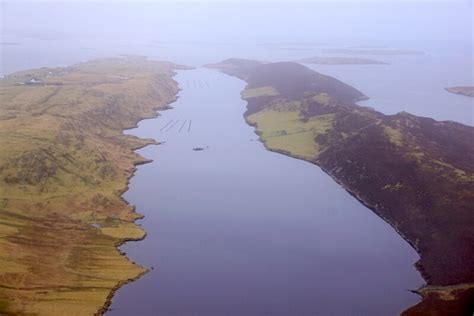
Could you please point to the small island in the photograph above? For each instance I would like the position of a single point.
(372, 51)
(327, 60)
(414, 172)
(9, 43)
(467, 91)
(64, 165)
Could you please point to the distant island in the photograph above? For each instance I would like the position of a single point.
(327, 60)
(467, 91)
(414, 172)
(236, 67)
(364, 51)
(9, 43)
(64, 165)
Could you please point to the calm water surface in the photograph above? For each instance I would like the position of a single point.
(238, 230)
(414, 84)
(235, 229)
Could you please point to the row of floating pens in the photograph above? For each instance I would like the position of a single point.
(172, 123)
(198, 84)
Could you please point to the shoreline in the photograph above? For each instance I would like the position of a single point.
(430, 290)
(77, 147)
(354, 194)
(424, 291)
(417, 264)
(106, 307)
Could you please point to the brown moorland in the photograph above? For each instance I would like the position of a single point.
(64, 163)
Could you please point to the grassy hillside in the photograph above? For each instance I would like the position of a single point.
(414, 172)
(64, 164)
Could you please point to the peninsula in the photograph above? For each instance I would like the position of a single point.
(414, 172)
(372, 51)
(328, 60)
(467, 91)
(64, 164)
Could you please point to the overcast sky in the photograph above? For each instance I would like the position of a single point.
(83, 29)
(397, 23)
(468, 2)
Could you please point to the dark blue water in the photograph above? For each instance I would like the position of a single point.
(238, 230)
(235, 229)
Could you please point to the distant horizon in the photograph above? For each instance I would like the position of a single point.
(467, 2)
(236, 157)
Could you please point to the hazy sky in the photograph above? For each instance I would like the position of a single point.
(239, 1)
(113, 27)
(228, 20)
(58, 33)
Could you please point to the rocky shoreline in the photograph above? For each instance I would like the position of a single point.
(144, 161)
(74, 163)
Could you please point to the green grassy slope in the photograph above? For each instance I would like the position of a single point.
(64, 164)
